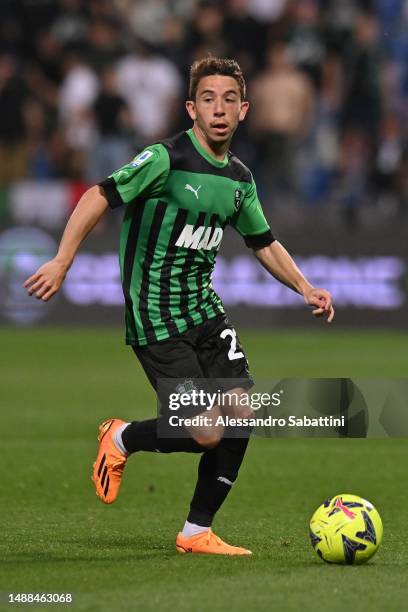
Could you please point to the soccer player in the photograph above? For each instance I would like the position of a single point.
(179, 195)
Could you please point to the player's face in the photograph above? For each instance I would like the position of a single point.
(218, 107)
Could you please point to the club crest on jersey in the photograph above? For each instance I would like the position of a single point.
(238, 199)
(202, 237)
(187, 386)
(139, 159)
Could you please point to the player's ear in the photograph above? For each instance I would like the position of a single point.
(190, 106)
(244, 110)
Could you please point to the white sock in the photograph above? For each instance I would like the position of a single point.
(117, 438)
(191, 529)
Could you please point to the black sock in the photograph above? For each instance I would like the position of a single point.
(217, 471)
(143, 436)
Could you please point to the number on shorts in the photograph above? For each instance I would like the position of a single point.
(232, 353)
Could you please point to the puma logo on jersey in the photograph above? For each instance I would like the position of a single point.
(206, 238)
(195, 191)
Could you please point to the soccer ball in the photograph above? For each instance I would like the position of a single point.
(346, 529)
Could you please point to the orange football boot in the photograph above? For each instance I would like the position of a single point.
(207, 543)
(110, 463)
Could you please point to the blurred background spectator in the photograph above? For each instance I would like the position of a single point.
(151, 85)
(84, 84)
(113, 128)
(283, 101)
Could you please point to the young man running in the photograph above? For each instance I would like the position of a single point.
(179, 196)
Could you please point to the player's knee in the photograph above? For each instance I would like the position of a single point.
(208, 441)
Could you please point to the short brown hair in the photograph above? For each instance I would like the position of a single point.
(215, 65)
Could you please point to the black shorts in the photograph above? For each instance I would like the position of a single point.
(208, 356)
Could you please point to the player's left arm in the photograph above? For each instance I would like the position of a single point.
(250, 222)
(275, 258)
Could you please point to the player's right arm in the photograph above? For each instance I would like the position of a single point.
(142, 177)
(50, 276)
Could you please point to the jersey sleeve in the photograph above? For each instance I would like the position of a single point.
(250, 221)
(144, 177)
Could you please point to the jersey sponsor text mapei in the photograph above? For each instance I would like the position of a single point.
(206, 238)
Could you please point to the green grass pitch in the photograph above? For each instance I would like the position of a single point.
(57, 385)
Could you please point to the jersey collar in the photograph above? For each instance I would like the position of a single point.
(197, 145)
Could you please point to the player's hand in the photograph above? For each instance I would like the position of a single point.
(47, 280)
(322, 299)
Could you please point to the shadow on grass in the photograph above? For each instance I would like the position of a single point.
(100, 549)
(41, 557)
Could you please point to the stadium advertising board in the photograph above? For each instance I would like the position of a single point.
(369, 285)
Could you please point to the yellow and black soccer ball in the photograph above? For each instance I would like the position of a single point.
(346, 529)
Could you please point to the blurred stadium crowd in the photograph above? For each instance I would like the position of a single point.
(84, 84)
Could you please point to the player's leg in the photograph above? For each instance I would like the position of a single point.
(164, 363)
(210, 492)
(217, 473)
(221, 357)
(169, 360)
(110, 462)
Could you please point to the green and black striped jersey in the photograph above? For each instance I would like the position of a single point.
(178, 201)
